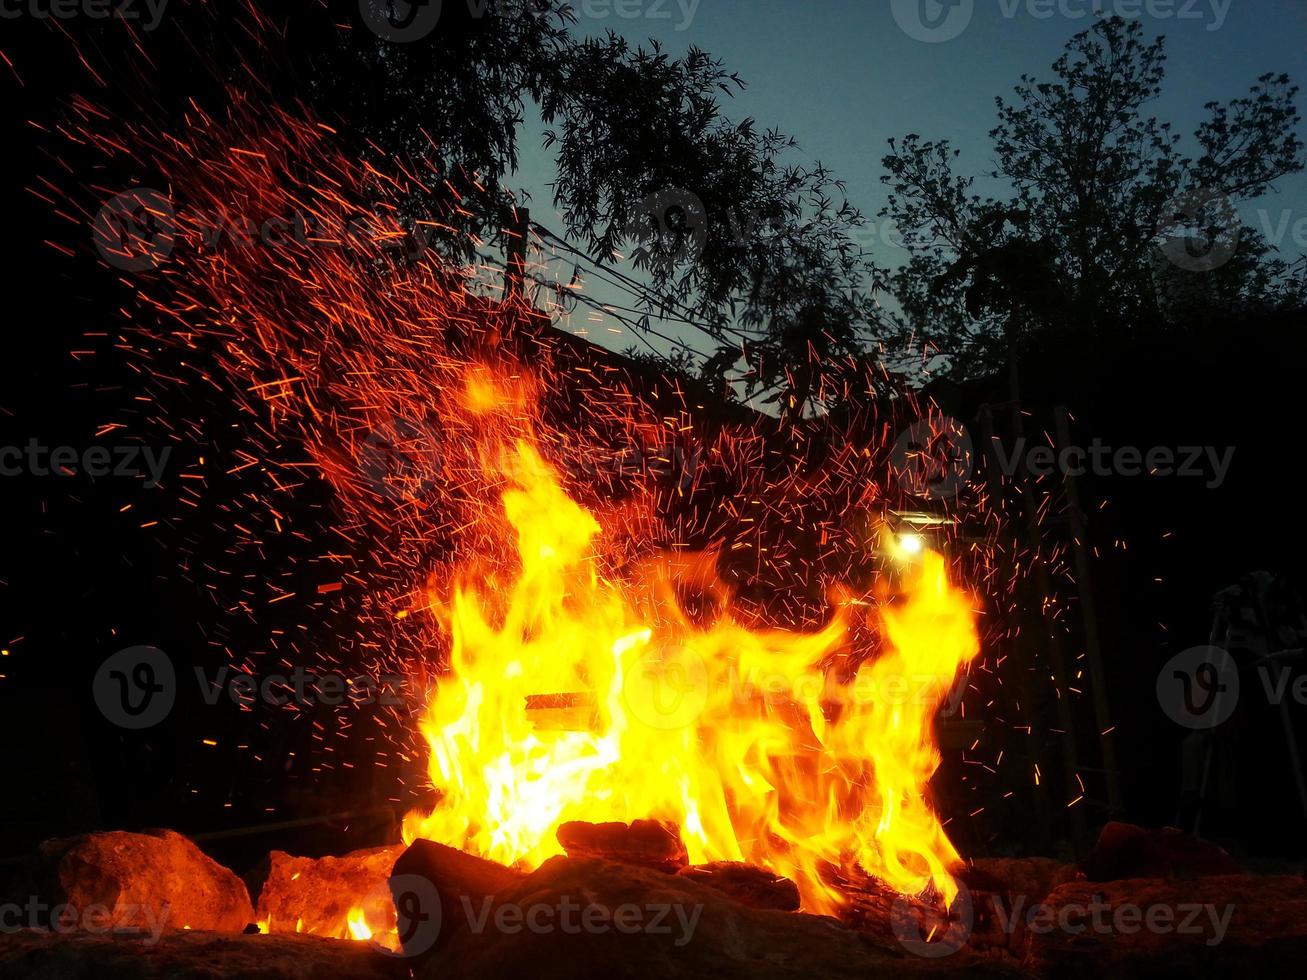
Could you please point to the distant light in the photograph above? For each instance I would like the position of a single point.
(911, 545)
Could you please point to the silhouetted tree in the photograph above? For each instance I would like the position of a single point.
(718, 228)
(1097, 187)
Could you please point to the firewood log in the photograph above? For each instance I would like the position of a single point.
(645, 843)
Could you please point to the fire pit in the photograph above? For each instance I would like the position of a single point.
(402, 630)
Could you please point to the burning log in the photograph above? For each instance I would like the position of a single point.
(562, 712)
(597, 918)
(337, 897)
(459, 883)
(871, 906)
(753, 887)
(644, 843)
(146, 883)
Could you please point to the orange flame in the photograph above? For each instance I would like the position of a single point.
(573, 696)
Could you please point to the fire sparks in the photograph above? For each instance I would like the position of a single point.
(592, 665)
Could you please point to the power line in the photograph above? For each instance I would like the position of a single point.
(639, 289)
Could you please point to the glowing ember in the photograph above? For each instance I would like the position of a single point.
(758, 743)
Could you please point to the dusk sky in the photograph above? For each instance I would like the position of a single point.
(843, 76)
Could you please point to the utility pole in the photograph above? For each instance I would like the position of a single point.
(517, 233)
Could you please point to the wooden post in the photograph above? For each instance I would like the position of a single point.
(517, 234)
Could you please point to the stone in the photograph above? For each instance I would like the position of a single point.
(1031, 877)
(1126, 851)
(1222, 925)
(316, 895)
(156, 877)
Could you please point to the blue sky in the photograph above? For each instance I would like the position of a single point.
(843, 76)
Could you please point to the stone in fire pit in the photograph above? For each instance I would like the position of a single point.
(317, 894)
(154, 879)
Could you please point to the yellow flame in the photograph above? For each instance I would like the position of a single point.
(574, 697)
(358, 925)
